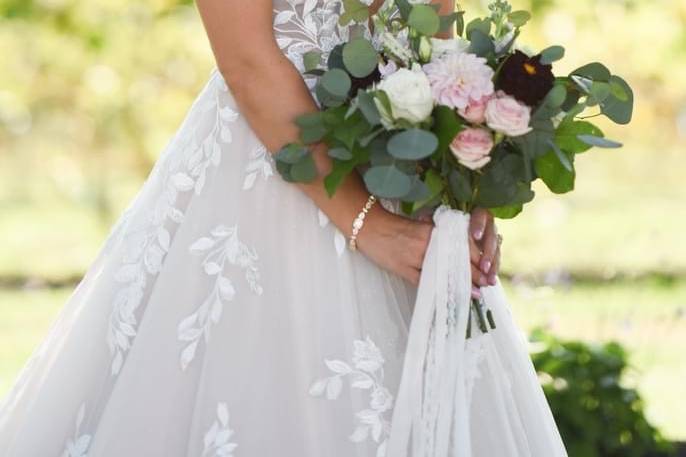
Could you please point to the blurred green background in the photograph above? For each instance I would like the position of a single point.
(91, 91)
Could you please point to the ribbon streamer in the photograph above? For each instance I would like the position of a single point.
(431, 415)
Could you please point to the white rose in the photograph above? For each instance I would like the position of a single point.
(442, 46)
(409, 92)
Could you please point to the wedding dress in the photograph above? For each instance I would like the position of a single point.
(224, 316)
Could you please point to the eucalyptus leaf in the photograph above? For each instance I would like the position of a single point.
(519, 18)
(355, 11)
(311, 60)
(424, 19)
(366, 103)
(535, 143)
(360, 57)
(305, 170)
(412, 144)
(291, 154)
(595, 71)
(481, 44)
(552, 54)
(335, 59)
(419, 191)
(566, 136)
(599, 142)
(387, 182)
(340, 153)
(616, 109)
(483, 25)
(312, 128)
(562, 157)
(336, 82)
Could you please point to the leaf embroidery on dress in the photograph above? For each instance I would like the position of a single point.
(366, 373)
(221, 248)
(216, 441)
(182, 169)
(78, 446)
(260, 163)
(339, 240)
(311, 25)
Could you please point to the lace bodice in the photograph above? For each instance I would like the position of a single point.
(301, 26)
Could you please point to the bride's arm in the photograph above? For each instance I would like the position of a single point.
(271, 94)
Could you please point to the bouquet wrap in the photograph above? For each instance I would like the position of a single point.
(430, 418)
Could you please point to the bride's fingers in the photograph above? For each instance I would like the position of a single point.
(478, 222)
(494, 269)
(490, 246)
(474, 251)
(478, 277)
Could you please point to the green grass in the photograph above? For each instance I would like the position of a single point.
(647, 316)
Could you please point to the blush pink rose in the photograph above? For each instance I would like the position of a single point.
(475, 112)
(472, 147)
(506, 115)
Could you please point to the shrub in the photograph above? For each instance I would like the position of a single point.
(596, 415)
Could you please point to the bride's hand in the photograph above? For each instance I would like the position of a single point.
(484, 247)
(395, 243)
(399, 244)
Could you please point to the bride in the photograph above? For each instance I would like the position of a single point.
(225, 314)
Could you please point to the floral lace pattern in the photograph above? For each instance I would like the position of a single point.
(216, 440)
(260, 163)
(365, 373)
(178, 172)
(301, 26)
(339, 240)
(221, 249)
(78, 445)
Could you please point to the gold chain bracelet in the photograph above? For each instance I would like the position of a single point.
(358, 223)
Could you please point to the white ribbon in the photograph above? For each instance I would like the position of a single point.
(430, 418)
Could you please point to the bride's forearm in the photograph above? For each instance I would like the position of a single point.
(271, 94)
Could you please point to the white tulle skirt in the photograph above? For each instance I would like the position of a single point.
(224, 317)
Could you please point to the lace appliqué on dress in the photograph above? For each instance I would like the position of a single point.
(146, 244)
(312, 25)
(78, 445)
(365, 373)
(216, 440)
(221, 249)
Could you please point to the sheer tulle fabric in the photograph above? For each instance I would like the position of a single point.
(225, 317)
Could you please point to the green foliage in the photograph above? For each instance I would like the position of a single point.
(360, 57)
(552, 54)
(424, 19)
(597, 415)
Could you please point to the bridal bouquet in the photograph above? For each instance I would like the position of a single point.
(463, 122)
(447, 125)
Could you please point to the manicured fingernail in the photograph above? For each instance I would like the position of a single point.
(476, 293)
(486, 266)
(478, 234)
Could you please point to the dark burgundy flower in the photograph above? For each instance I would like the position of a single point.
(366, 82)
(526, 78)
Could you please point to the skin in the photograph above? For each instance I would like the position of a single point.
(259, 76)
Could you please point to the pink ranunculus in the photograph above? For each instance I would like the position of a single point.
(506, 115)
(459, 78)
(472, 147)
(475, 112)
